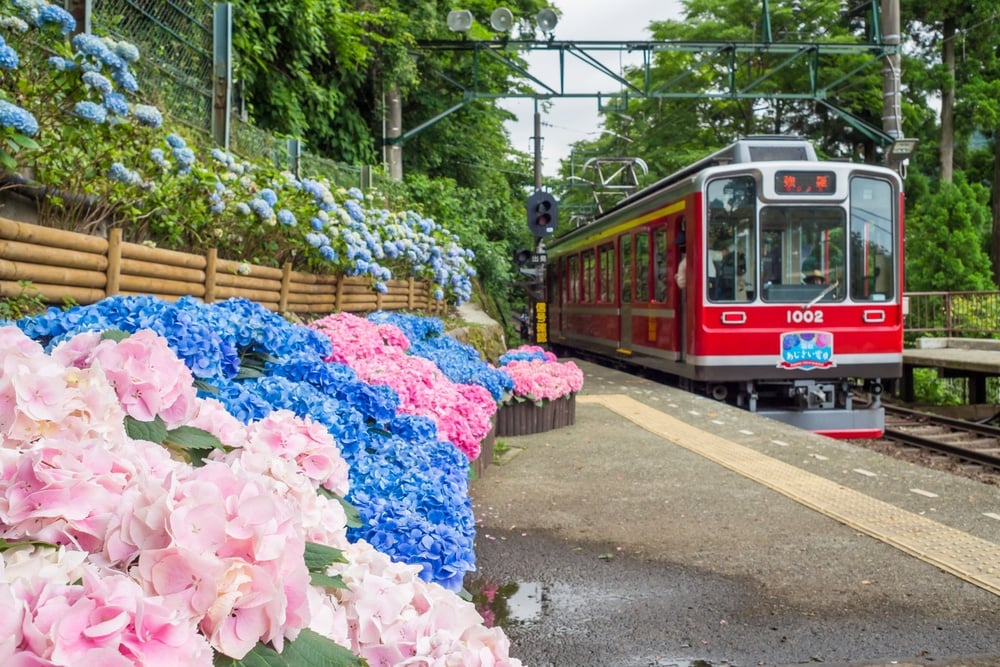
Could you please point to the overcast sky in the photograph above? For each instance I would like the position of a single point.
(571, 120)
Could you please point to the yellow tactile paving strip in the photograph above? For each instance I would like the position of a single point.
(971, 558)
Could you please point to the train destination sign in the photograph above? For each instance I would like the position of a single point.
(805, 182)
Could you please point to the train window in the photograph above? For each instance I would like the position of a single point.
(573, 280)
(802, 253)
(589, 276)
(660, 261)
(606, 266)
(872, 258)
(732, 239)
(625, 245)
(642, 266)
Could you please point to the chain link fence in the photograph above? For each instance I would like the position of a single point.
(174, 38)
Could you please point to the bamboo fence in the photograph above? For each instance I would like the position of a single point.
(70, 266)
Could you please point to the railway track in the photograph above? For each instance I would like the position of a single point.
(968, 442)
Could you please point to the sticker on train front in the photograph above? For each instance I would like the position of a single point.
(806, 350)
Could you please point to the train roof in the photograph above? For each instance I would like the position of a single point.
(758, 148)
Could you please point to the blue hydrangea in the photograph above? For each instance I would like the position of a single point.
(57, 16)
(147, 116)
(127, 52)
(17, 118)
(126, 80)
(8, 57)
(185, 159)
(286, 217)
(91, 111)
(61, 64)
(261, 209)
(119, 172)
(116, 104)
(98, 82)
(176, 141)
(269, 196)
(159, 157)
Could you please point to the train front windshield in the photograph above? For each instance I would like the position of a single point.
(800, 252)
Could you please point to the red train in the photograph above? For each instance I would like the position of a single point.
(758, 275)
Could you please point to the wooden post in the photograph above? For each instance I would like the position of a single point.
(411, 295)
(211, 265)
(286, 279)
(338, 298)
(114, 273)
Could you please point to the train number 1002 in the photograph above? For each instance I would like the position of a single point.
(798, 316)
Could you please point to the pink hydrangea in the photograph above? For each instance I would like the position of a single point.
(377, 353)
(105, 621)
(544, 380)
(395, 618)
(160, 563)
(147, 376)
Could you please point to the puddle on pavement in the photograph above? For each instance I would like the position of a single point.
(513, 603)
(519, 603)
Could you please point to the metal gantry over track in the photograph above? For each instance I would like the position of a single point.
(726, 61)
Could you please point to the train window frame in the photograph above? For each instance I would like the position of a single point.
(642, 265)
(731, 238)
(661, 275)
(573, 279)
(872, 252)
(625, 267)
(808, 243)
(588, 263)
(606, 273)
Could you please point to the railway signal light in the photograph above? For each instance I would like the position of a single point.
(543, 214)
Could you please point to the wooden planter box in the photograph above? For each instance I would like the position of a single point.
(525, 418)
(485, 458)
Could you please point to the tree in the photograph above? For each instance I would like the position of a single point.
(945, 240)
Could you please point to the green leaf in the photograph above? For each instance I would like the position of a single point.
(154, 431)
(309, 649)
(195, 443)
(252, 364)
(329, 581)
(318, 557)
(191, 437)
(5, 545)
(8, 162)
(206, 387)
(24, 140)
(116, 335)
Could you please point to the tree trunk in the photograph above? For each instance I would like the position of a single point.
(947, 147)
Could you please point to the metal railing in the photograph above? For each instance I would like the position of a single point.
(953, 314)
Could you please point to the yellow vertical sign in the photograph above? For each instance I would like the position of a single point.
(541, 322)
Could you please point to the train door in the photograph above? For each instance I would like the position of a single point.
(625, 309)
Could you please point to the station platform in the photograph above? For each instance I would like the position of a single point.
(664, 528)
(974, 358)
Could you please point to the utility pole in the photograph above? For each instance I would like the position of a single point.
(393, 130)
(892, 121)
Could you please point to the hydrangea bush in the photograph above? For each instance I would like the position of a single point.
(460, 362)
(192, 536)
(408, 483)
(77, 125)
(378, 354)
(539, 375)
